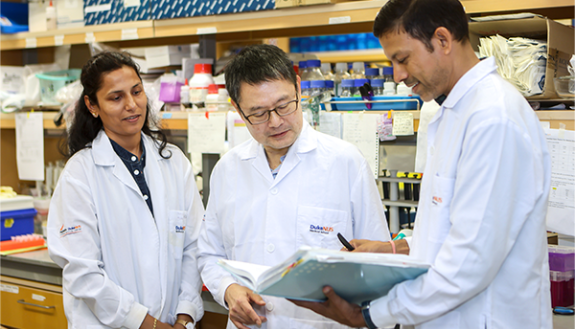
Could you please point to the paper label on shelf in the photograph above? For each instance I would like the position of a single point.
(129, 34)
(39, 298)
(360, 129)
(206, 133)
(9, 288)
(340, 20)
(30, 42)
(98, 8)
(402, 123)
(131, 3)
(30, 146)
(207, 30)
(90, 37)
(58, 40)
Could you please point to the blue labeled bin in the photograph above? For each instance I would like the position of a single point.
(396, 103)
(17, 222)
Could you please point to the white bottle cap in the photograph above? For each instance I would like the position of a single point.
(325, 68)
(341, 66)
(358, 67)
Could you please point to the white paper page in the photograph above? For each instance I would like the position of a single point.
(360, 129)
(402, 123)
(330, 123)
(30, 146)
(241, 268)
(428, 111)
(237, 130)
(206, 134)
(561, 205)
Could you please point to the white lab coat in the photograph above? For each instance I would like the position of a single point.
(255, 218)
(120, 262)
(481, 215)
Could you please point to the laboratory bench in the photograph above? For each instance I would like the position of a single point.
(32, 296)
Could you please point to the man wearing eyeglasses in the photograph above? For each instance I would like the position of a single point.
(290, 186)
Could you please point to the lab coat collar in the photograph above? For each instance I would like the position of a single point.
(468, 80)
(104, 154)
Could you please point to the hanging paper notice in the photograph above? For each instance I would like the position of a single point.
(561, 204)
(402, 123)
(330, 123)
(206, 132)
(361, 130)
(237, 130)
(30, 146)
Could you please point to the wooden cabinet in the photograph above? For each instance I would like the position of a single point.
(31, 305)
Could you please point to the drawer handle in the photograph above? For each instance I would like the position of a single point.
(21, 301)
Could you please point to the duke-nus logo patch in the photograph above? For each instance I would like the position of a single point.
(320, 229)
(180, 229)
(64, 231)
(436, 200)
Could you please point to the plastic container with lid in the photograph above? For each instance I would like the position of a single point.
(356, 84)
(403, 89)
(51, 82)
(51, 18)
(389, 88)
(347, 88)
(561, 258)
(314, 71)
(388, 73)
(217, 98)
(371, 73)
(377, 86)
(340, 74)
(317, 87)
(326, 71)
(170, 88)
(302, 68)
(562, 288)
(358, 70)
(199, 83)
(185, 94)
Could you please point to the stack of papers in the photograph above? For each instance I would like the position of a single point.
(520, 61)
(356, 277)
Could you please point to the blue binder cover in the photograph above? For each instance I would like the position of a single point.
(356, 277)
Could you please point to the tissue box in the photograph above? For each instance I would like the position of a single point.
(560, 43)
(98, 12)
(164, 9)
(69, 13)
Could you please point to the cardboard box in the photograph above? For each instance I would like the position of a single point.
(166, 9)
(296, 3)
(560, 43)
(166, 55)
(69, 13)
(98, 12)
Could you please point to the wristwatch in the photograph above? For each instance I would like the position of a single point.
(187, 324)
(366, 316)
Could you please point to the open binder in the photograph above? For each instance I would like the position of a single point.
(356, 277)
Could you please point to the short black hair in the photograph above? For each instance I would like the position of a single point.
(420, 19)
(256, 64)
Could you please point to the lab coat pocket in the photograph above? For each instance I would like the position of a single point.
(318, 227)
(440, 224)
(177, 232)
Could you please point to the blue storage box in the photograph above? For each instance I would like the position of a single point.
(165, 9)
(391, 103)
(97, 12)
(13, 17)
(17, 222)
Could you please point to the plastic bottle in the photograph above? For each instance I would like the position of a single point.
(185, 94)
(303, 70)
(371, 73)
(51, 17)
(356, 84)
(313, 68)
(403, 89)
(388, 73)
(330, 86)
(199, 83)
(346, 88)
(326, 71)
(340, 74)
(377, 86)
(358, 70)
(223, 97)
(389, 88)
(317, 87)
(212, 98)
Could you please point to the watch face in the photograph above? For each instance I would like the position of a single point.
(190, 325)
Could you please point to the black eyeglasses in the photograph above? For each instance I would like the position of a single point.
(264, 116)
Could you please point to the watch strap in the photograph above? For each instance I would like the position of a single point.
(367, 316)
(183, 322)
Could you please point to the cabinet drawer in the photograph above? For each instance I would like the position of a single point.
(30, 308)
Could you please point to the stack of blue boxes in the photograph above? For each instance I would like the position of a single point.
(334, 43)
(115, 11)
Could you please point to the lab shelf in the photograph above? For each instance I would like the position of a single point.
(340, 18)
